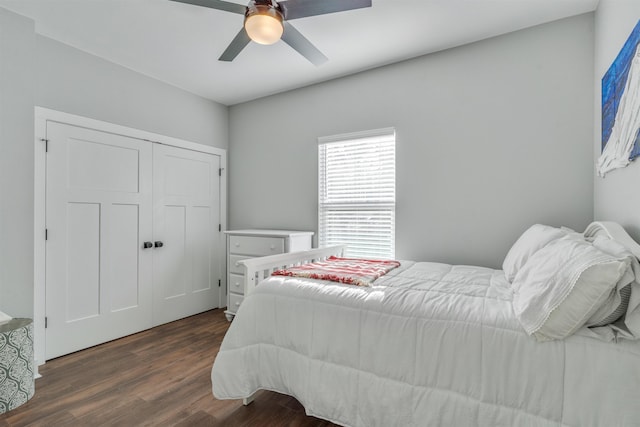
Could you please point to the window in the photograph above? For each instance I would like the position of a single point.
(357, 193)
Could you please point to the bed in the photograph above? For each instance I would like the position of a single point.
(431, 344)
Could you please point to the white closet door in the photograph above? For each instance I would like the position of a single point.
(99, 201)
(186, 214)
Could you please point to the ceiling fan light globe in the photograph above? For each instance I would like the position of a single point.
(264, 24)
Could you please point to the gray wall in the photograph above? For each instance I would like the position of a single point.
(35, 70)
(616, 197)
(75, 82)
(17, 64)
(491, 138)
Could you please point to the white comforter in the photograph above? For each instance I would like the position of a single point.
(429, 345)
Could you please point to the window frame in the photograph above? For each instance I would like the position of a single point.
(369, 136)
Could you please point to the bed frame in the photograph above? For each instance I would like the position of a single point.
(258, 269)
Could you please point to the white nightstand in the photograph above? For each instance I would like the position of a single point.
(244, 244)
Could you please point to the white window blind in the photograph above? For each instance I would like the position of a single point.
(357, 193)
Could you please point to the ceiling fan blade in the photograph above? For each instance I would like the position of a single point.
(294, 9)
(296, 40)
(237, 44)
(217, 4)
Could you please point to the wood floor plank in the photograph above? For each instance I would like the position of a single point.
(158, 377)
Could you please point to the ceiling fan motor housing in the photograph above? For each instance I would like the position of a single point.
(263, 21)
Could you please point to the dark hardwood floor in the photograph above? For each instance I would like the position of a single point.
(159, 377)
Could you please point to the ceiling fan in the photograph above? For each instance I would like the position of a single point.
(266, 22)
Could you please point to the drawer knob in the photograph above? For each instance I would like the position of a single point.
(237, 304)
(237, 284)
(237, 264)
(272, 247)
(237, 245)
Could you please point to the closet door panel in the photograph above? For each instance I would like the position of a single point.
(98, 165)
(98, 213)
(125, 257)
(202, 249)
(186, 217)
(172, 258)
(82, 289)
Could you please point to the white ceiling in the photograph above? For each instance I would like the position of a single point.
(180, 43)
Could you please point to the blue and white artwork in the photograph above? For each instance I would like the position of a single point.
(621, 107)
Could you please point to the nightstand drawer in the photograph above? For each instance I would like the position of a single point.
(256, 246)
(234, 265)
(236, 283)
(234, 302)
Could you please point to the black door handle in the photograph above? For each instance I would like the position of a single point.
(147, 245)
(159, 244)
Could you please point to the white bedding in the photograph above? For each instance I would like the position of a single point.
(428, 345)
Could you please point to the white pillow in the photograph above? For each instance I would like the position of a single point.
(532, 240)
(563, 285)
(616, 305)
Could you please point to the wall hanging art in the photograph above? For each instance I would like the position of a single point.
(621, 107)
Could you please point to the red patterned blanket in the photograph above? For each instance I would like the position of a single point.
(359, 272)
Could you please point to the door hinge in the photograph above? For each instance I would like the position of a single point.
(219, 227)
(46, 144)
(46, 234)
(219, 171)
(46, 322)
(219, 282)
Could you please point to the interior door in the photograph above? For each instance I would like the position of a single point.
(186, 215)
(99, 210)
